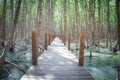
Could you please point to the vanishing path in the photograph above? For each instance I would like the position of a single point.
(57, 63)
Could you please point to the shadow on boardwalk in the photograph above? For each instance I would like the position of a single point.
(57, 63)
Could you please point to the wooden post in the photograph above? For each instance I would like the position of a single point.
(60, 36)
(46, 41)
(49, 40)
(54, 37)
(64, 39)
(81, 49)
(34, 48)
(69, 41)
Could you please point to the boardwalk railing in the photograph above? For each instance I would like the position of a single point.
(57, 63)
(50, 38)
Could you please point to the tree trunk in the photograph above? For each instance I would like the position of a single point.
(39, 19)
(108, 23)
(52, 16)
(39, 14)
(3, 24)
(99, 25)
(118, 21)
(64, 39)
(49, 16)
(77, 26)
(91, 24)
(12, 10)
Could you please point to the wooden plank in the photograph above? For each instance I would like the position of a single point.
(44, 78)
(57, 63)
(57, 68)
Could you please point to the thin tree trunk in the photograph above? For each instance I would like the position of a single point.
(12, 10)
(77, 22)
(48, 16)
(3, 24)
(61, 22)
(61, 25)
(99, 24)
(86, 21)
(39, 17)
(52, 15)
(64, 22)
(108, 23)
(12, 14)
(91, 24)
(118, 21)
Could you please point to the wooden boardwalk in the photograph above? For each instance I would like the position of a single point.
(57, 63)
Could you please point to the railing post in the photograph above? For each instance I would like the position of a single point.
(49, 40)
(60, 36)
(81, 49)
(64, 39)
(69, 41)
(53, 37)
(45, 41)
(34, 48)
